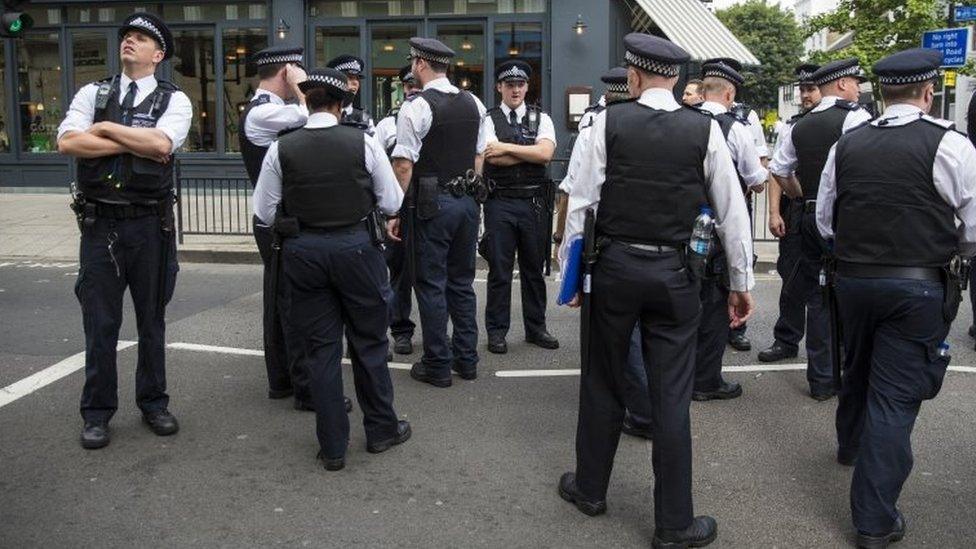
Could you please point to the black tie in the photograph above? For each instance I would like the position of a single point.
(127, 102)
(513, 119)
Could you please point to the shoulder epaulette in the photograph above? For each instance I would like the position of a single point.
(847, 105)
(167, 86)
(698, 110)
(864, 124)
(945, 124)
(594, 107)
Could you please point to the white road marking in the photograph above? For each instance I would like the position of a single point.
(536, 373)
(253, 352)
(48, 376)
(726, 369)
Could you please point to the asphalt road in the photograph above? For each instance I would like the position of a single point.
(480, 470)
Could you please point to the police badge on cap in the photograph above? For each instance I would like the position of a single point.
(513, 71)
(152, 26)
(348, 64)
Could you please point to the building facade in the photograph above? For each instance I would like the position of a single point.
(569, 43)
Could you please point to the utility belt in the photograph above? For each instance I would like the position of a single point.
(861, 270)
(809, 206)
(88, 211)
(517, 191)
(427, 188)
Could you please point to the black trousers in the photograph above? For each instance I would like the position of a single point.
(514, 224)
(337, 281)
(713, 333)
(789, 327)
(402, 303)
(631, 286)
(805, 286)
(634, 392)
(284, 367)
(115, 255)
(892, 332)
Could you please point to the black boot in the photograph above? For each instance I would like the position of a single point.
(703, 530)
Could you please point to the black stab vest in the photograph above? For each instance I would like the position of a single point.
(449, 148)
(523, 173)
(358, 118)
(813, 136)
(655, 181)
(126, 178)
(888, 211)
(252, 154)
(325, 183)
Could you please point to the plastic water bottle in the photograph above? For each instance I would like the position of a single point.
(701, 241)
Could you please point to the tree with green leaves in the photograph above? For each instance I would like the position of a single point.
(773, 36)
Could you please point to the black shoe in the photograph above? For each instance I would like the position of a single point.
(821, 395)
(972, 331)
(864, 541)
(777, 352)
(497, 345)
(276, 394)
(402, 345)
(726, 391)
(703, 530)
(402, 435)
(95, 435)
(467, 374)
(347, 403)
(630, 428)
(162, 423)
(419, 372)
(331, 464)
(304, 406)
(569, 492)
(740, 342)
(846, 459)
(544, 340)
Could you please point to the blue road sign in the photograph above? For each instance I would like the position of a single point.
(953, 43)
(965, 13)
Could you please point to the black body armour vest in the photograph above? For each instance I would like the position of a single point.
(888, 211)
(449, 148)
(252, 154)
(813, 136)
(655, 182)
(126, 178)
(523, 173)
(323, 176)
(358, 118)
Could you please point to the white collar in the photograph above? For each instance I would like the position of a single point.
(519, 112)
(826, 102)
(714, 107)
(898, 115)
(603, 101)
(322, 120)
(275, 98)
(347, 109)
(145, 84)
(440, 83)
(659, 98)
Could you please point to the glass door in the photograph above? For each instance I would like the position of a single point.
(94, 55)
(333, 39)
(388, 53)
(467, 39)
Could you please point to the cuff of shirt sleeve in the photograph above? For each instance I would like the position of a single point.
(741, 282)
(62, 131)
(172, 138)
(402, 152)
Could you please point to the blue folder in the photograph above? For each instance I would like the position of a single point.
(572, 281)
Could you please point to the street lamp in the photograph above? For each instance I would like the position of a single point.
(579, 27)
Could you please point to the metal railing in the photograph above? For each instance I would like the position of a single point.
(213, 206)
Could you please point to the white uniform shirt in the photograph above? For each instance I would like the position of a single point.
(579, 147)
(724, 193)
(954, 175)
(265, 121)
(747, 160)
(174, 122)
(546, 128)
(385, 131)
(415, 119)
(756, 130)
(267, 192)
(784, 160)
(587, 119)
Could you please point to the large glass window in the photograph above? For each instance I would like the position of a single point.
(38, 91)
(4, 132)
(194, 73)
(112, 14)
(481, 7)
(521, 41)
(90, 57)
(332, 41)
(468, 41)
(174, 12)
(389, 49)
(361, 8)
(239, 77)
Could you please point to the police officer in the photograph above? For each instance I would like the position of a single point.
(720, 85)
(123, 132)
(650, 165)
(439, 140)
(278, 106)
(896, 291)
(521, 140)
(327, 179)
(353, 67)
(694, 94)
(785, 214)
(804, 151)
(401, 326)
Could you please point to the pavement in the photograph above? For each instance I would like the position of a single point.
(41, 226)
(480, 470)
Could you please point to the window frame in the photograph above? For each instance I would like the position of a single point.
(7, 105)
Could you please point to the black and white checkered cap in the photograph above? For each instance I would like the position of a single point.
(431, 50)
(513, 69)
(151, 25)
(804, 73)
(654, 54)
(278, 54)
(723, 71)
(329, 79)
(838, 69)
(616, 80)
(909, 67)
(349, 64)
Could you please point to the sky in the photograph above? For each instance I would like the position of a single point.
(720, 4)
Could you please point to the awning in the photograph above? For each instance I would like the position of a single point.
(689, 24)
